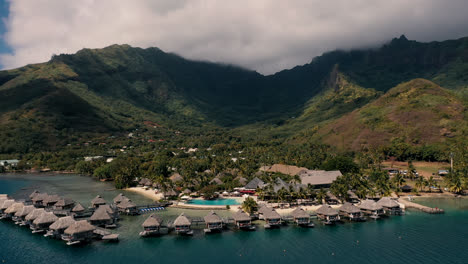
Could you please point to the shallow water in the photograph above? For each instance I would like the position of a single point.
(413, 238)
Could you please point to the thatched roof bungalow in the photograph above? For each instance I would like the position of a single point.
(78, 232)
(182, 225)
(38, 198)
(12, 209)
(330, 198)
(352, 197)
(272, 218)
(213, 222)
(64, 204)
(119, 198)
(327, 214)
(59, 226)
(50, 200)
(34, 214)
(301, 217)
(20, 215)
(242, 220)
(152, 226)
(33, 194)
(101, 217)
(351, 212)
(42, 223)
(98, 201)
(127, 207)
(390, 206)
(371, 208)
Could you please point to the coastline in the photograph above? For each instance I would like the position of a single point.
(147, 193)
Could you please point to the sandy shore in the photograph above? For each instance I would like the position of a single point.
(147, 193)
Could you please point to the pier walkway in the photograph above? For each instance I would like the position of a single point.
(426, 209)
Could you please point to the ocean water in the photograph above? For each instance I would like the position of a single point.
(413, 238)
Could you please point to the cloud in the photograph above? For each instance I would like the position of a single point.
(264, 35)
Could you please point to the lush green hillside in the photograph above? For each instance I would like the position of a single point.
(418, 112)
(112, 91)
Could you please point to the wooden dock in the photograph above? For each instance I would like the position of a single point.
(423, 208)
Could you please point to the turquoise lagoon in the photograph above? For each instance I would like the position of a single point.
(413, 238)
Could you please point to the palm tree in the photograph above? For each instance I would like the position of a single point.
(321, 195)
(399, 180)
(249, 205)
(419, 183)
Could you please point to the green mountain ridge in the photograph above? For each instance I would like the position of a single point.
(101, 92)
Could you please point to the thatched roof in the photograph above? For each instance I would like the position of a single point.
(264, 209)
(78, 208)
(35, 214)
(212, 217)
(98, 200)
(187, 191)
(110, 210)
(145, 181)
(15, 207)
(170, 193)
(119, 198)
(280, 184)
(331, 196)
(349, 208)
(352, 195)
(326, 210)
(272, 214)
(182, 220)
(176, 177)
(370, 205)
(152, 221)
(241, 180)
(216, 181)
(6, 204)
(387, 202)
(241, 216)
(64, 202)
(100, 214)
(39, 197)
(51, 199)
(300, 213)
(254, 184)
(79, 227)
(62, 223)
(45, 218)
(126, 204)
(318, 177)
(33, 194)
(25, 211)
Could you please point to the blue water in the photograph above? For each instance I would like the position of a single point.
(413, 238)
(226, 201)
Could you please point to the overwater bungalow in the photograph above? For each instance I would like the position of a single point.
(272, 218)
(38, 198)
(371, 209)
(78, 232)
(4, 205)
(262, 210)
(50, 200)
(98, 201)
(390, 206)
(351, 212)
(20, 216)
(33, 194)
(119, 198)
(352, 197)
(151, 226)
(182, 225)
(57, 229)
(101, 217)
(10, 212)
(42, 223)
(243, 221)
(64, 204)
(78, 210)
(33, 215)
(301, 217)
(327, 214)
(330, 198)
(127, 207)
(214, 223)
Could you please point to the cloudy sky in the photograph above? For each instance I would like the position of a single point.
(263, 35)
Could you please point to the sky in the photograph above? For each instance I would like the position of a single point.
(262, 35)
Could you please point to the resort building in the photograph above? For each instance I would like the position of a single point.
(101, 217)
(20, 216)
(98, 201)
(242, 220)
(330, 198)
(318, 178)
(352, 197)
(213, 222)
(64, 204)
(251, 187)
(42, 223)
(390, 206)
(351, 212)
(327, 214)
(127, 207)
(4, 205)
(301, 217)
(57, 229)
(152, 226)
(371, 208)
(80, 231)
(33, 215)
(33, 194)
(119, 198)
(50, 200)
(78, 210)
(272, 218)
(38, 198)
(182, 225)
(12, 209)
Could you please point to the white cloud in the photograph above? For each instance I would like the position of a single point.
(265, 35)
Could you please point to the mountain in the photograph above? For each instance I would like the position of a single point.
(418, 111)
(101, 92)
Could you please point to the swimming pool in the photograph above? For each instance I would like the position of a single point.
(226, 201)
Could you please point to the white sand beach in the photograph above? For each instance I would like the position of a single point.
(150, 193)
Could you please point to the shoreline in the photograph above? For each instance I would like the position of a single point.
(146, 193)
